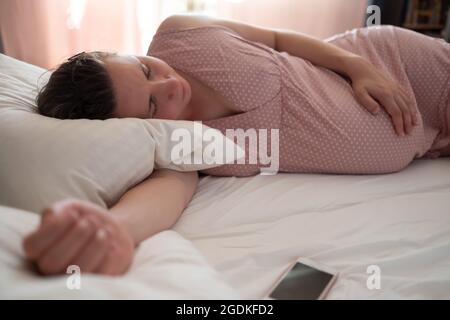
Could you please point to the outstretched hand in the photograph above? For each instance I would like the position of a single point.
(374, 89)
(74, 232)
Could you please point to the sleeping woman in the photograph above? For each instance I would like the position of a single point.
(368, 101)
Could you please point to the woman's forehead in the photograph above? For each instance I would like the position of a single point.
(122, 59)
(126, 68)
(127, 77)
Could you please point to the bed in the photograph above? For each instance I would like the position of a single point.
(245, 232)
(239, 235)
(252, 229)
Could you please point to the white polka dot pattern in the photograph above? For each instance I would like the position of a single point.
(323, 129)
(219, 58)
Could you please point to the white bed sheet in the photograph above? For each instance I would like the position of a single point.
(252, 229)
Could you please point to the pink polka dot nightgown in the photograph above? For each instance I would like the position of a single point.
(322, 128)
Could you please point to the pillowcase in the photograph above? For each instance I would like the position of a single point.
(43, 160)
(166, 266)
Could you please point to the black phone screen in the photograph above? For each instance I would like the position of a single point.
(302, 283)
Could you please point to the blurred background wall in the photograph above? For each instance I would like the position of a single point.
(430, 17)
(45, 32)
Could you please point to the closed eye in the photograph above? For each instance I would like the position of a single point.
(146, 73)
(151, 99)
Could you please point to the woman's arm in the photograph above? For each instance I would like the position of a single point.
(74, 232)
(298, 44)
(372, 88)
(156, 203)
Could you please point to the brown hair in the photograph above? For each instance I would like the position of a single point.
(79, 88)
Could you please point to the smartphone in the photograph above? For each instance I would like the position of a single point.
(304, 280)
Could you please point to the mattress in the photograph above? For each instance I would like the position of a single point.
(252, 229)
(239, 235)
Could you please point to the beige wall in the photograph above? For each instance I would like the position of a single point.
(36, 30)
(320, 18)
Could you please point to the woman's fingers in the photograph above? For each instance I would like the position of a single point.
(108, 266)
(49, 233)
(407, 117)
(75, 232)
(119, 255)
(368, 102)
(395, 112)
(58, 257)
(94, 253)
(410, 104)
(376, 90)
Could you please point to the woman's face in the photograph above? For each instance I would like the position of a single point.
(147, 87)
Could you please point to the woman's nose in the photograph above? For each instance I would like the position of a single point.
(166, 86)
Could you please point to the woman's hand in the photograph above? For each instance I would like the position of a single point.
(74, 232)
(374, 88)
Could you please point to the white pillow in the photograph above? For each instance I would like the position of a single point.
(166, 266)
(43, 160)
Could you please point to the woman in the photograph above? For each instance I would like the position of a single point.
(367, 101)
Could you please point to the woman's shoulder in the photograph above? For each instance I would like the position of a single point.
(188, 22)
(178, 22)
(184, 36)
